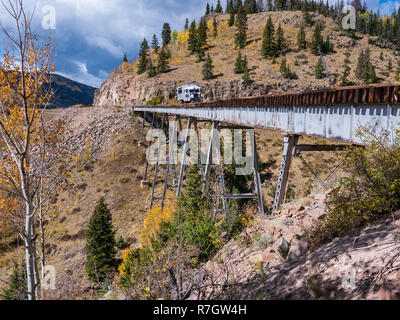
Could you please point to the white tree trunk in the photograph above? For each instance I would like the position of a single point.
(30, 254)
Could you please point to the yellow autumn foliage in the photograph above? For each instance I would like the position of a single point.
(153, 221)
(183, 37)
(223, 28)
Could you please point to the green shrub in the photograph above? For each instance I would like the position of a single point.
(191, 224)
(121, 243)
(16, 288)
(157, 100)
(133, 265)
(193, 218)
(370, 188)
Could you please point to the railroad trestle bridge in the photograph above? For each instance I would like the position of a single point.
(334, 114)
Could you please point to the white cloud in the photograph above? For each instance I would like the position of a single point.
(81, 72)
(101, 31)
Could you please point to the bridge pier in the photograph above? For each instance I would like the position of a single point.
(290, 142)
(257, 192)
(293, 149)
(161, 123)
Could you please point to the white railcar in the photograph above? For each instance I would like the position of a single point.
(189, 93)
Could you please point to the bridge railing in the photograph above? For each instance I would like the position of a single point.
(353, 95)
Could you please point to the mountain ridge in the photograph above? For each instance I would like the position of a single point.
(68, 92)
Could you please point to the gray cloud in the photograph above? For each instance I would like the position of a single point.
(93, 35)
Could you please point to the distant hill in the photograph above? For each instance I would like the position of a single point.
(69, 92)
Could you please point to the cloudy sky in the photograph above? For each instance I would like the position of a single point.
(93, 35)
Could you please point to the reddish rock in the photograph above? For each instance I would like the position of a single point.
(267, 257)
(317, 213)
(386, 293)
(298, 247)
(277, 235)
(269, 228)
(320, 197)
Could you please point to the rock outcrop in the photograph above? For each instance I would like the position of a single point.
(127, 91)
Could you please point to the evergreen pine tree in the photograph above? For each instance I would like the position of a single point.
(162, 65)
(283, 66)
(317, 40)
(215, 27)
(239, 64)
(369, 75)
(319, 70)
(192, 41)
(245, 63)
(207, 9)
(100, 244)
(372, 75)
(186, 24)
(307, 19)
(218, 8)
(201, 44)
(166, 34)
(398, 71)
(360, 64)
(280, 40)
(363, 70)
(346, 72)
(202, 32)
(144, 48)
(17, 288)
(241, 34)
(344, 77)
(193, 218)
(251, 6)
(306, 15)
(208, 68)
(390, 66)
(154, 43)
(125, 58)
(268, 44)
(229, 6)
(151, 70)
(191, 199)
(286, 72)
(237, 4)
(231, 21)
(246, 75)
(301, 38)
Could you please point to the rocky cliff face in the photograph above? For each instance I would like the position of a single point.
(126, 91)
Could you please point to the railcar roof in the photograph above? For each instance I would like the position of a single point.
(190, 86)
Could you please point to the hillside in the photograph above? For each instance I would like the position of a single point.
(68, 92)
(126, 88)
(105, 160)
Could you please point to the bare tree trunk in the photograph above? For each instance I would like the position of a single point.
(29, 254)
